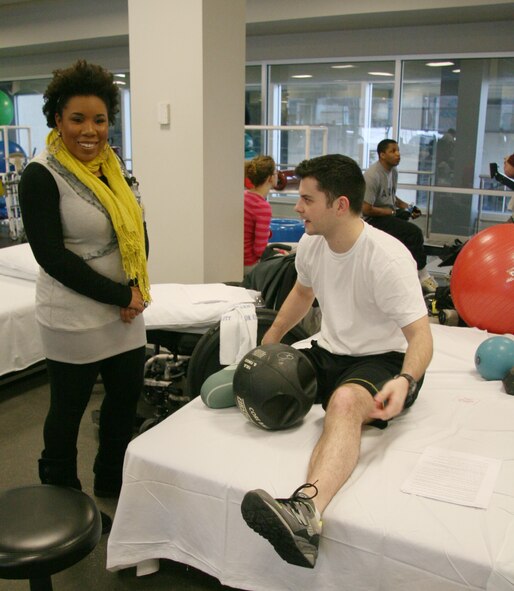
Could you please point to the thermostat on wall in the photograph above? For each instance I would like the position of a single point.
(163, 113)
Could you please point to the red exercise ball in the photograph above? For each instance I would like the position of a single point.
(482, 280)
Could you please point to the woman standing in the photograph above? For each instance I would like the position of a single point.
(85, 226)
(262, 174)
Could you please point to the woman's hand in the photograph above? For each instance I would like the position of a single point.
(128, 314)
(137, 305)
(137, 302)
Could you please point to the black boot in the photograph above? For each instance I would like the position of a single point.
(59, 472)
(64, 473)
(108, 479)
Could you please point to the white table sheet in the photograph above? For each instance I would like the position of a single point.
(177, 307)
(185, 478)
(20, 345)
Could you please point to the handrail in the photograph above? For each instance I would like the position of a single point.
(460, 190)
(4, 129)
(307, 128)
(434, 189)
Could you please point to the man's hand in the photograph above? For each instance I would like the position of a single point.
(294, 308)
(271, 337)
(416, 212)
(403, 214)
(390, 400)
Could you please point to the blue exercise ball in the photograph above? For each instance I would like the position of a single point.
(13, 148)
(495, 357)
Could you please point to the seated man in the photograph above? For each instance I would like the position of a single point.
(380, 203)
(374, 347)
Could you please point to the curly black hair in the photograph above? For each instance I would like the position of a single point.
(80, 79)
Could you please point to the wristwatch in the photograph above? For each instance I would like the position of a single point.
(412, 382)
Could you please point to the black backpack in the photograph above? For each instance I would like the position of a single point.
(274, 278)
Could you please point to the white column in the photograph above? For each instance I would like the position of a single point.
(190, 55)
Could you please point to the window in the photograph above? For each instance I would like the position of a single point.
(354, 100)
(456, 117)
(253, 110)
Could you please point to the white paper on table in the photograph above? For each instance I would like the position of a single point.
(453, 477)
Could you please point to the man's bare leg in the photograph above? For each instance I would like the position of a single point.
(337, 451)
(293, 525)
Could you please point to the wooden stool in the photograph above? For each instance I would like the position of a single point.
(45, 529)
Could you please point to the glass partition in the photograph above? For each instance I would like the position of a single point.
(254, 107)
(451, 116)
(354, 100)
(456, 118)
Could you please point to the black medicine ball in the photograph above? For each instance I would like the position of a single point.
(275, 386)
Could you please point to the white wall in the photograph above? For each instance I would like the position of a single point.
(37, 36)
(26, 24)
(287, 10)
(190, 171)
(384, 42)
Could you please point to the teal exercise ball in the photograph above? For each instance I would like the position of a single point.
(6, 109)
(495, 357)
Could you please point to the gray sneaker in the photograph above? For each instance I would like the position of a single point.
(290, 525)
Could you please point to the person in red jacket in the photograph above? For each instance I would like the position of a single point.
(260, 177)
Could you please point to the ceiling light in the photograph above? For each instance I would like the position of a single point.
(456, 71)
(380, 74)
(302, 76)
(120, 83)
(120, 75)
(440, 64)
(342, 66)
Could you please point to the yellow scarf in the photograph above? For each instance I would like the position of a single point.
(119, 201)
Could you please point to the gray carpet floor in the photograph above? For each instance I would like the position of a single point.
(23, 407)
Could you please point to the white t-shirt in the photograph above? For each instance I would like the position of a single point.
(366, 295)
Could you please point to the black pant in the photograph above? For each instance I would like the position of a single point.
(70, 390)
(407, 233)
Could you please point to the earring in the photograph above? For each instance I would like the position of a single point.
(56, 144)
(59, 133)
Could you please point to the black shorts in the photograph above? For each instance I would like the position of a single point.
(369, 371)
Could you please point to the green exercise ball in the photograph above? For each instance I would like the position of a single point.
(6, 109)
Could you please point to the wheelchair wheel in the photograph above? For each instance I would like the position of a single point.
(205, 358)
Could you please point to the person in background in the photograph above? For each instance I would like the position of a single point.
(508, 169)
(370, 356)
(381, 203)
(445, 157)
(260, 177)
(84, 222)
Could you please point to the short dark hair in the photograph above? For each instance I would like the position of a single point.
(336, 175)
(80, 79)
(384, 144)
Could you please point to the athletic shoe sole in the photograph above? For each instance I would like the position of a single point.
(260, 514)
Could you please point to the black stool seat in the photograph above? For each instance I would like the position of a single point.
(45, 529)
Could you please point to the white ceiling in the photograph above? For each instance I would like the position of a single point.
(487, 12)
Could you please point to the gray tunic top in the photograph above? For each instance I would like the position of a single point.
(81, 285)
